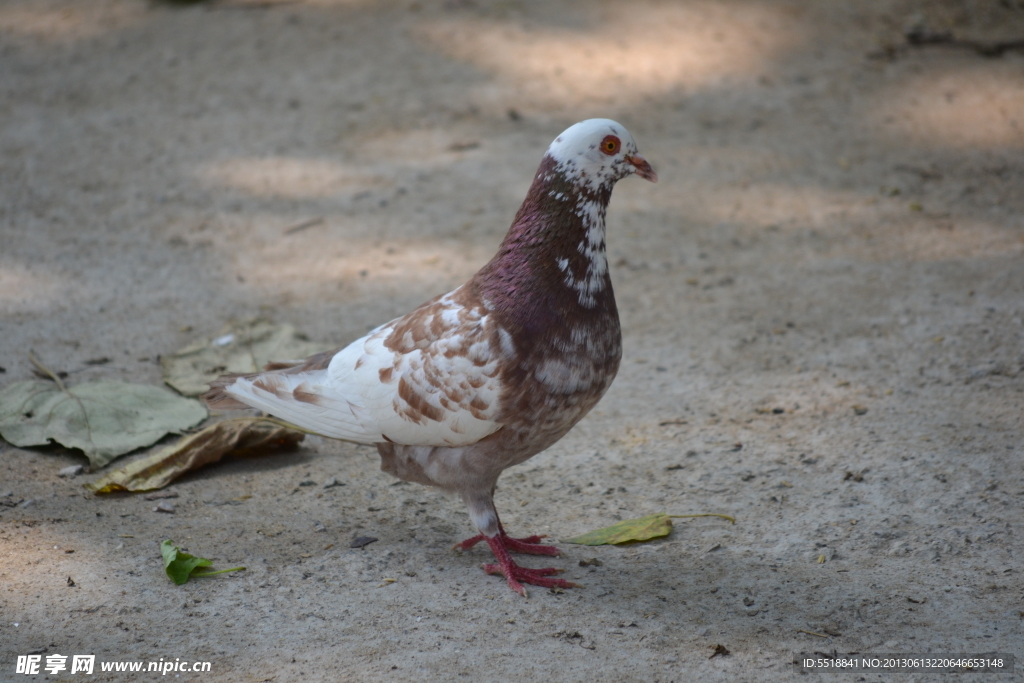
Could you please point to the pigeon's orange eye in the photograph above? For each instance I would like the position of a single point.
(610, 145)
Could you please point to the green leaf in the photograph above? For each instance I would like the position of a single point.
(238, 348)
(104, 419)
(159, 469)
(180, 566)
(642, 529)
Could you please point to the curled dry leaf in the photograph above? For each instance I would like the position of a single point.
(238, 348)
(104, 419)
(192, 452)
(641, 529)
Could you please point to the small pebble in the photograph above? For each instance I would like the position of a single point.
(720, 651)
(164, 506)
(362, 541)
(161, 494)
(71, 471)
(332, 482)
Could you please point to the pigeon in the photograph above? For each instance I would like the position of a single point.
(490, 374)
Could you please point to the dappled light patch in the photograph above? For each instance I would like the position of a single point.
(620, 51)
(25, 289)
(361, 264)
(288, 177)
(62, 22)
(978, 106)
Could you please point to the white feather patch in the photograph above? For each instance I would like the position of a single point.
(592, 247)
(579, 158)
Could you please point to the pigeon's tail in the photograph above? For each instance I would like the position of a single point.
(217, 397)
(299, 392)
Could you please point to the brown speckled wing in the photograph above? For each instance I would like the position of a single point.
(430, 378)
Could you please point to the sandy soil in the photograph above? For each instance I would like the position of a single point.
(823, 305)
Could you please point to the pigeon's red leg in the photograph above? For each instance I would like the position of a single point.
(485, 518)
(516, 575)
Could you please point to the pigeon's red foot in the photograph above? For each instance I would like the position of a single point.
(516, 575)
(528, 545)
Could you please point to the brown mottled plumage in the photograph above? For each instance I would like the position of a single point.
(492, 373)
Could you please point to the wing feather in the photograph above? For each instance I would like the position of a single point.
(430, 378)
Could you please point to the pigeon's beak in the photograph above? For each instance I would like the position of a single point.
(643, 169)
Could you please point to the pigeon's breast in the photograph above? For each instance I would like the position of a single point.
(556, 384)
(581, 360)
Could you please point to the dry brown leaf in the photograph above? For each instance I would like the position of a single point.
(192, 452)
(105, 419)
(239, 347)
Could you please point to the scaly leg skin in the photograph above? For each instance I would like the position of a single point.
(516, 575)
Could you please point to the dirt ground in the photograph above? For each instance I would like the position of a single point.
(822, 303)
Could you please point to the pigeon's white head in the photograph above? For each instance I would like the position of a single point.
(598, 152)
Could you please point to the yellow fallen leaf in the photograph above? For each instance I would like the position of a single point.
(641, 529)
(192, 452)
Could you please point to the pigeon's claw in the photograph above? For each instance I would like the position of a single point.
(516, 575)
(469, 542)
(528, 546)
